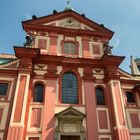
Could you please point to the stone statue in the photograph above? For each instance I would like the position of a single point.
(107, 48)
(29, 40)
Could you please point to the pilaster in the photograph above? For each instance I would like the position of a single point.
(116, 106)
(48, 128)
(91, 116)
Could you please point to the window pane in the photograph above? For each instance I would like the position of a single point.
(69, 48)
(130, 97)
(38, 93)
(100, 96)
(69, 88)
(3, 89)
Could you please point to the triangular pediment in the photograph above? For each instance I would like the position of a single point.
(70, 113)
(9, 64)
(66, 19)
(8, 61)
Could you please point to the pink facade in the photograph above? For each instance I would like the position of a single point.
(65, 84)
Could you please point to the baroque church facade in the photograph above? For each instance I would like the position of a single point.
(65, 84)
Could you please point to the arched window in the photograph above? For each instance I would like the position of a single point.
(69, 88)
(100, 99)
(70, 48)
(38, 93)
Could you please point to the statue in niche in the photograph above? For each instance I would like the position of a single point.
(107, 48)
(29, 40)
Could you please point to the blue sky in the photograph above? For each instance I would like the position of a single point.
(121, 16)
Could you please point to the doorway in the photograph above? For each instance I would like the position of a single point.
(70, 137)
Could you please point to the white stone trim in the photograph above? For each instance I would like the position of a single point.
(105, 136)
(136, 137)
(108, 120)
(12, 123)
(11, 80)
(79, 39)
(59, 45)
(91, 49)
(128, 111)
(5, 107)
(1, 135)
(33, 135)
(29, 119)
(47, 45)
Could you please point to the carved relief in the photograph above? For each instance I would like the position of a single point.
(41, 66)
(70, 23)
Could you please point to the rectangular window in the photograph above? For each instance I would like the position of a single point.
(3, 89)
(70, 48)
(130, 97)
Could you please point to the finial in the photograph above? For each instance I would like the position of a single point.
(68, 7)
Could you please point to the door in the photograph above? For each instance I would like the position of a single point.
(70, 137)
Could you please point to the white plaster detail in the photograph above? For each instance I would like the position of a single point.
(1, 135)
(91, 49)
(59, 45)
(128, 112)
(34, 136)
(79, 39)
(47, 44)
(11, 80)
(63, 107)
(136, 137)
(34, 129)
(108, 120)
(105, 136)
(5, 107)
(21, 123)
(59, 69)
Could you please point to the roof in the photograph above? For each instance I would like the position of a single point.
(7, 56)
(39, 24)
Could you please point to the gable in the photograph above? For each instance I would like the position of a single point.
(66, 19)
(69, 22)
(70, 113)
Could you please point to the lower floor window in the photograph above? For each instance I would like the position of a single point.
(3, 89)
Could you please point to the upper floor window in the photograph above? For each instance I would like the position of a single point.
(69, 88)
(3, 89)
(38, 93)
(100, 99)
(70, 48)
(130, 97)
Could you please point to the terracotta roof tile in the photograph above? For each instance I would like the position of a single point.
(8, 56)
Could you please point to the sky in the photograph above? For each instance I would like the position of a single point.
(120, 16)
